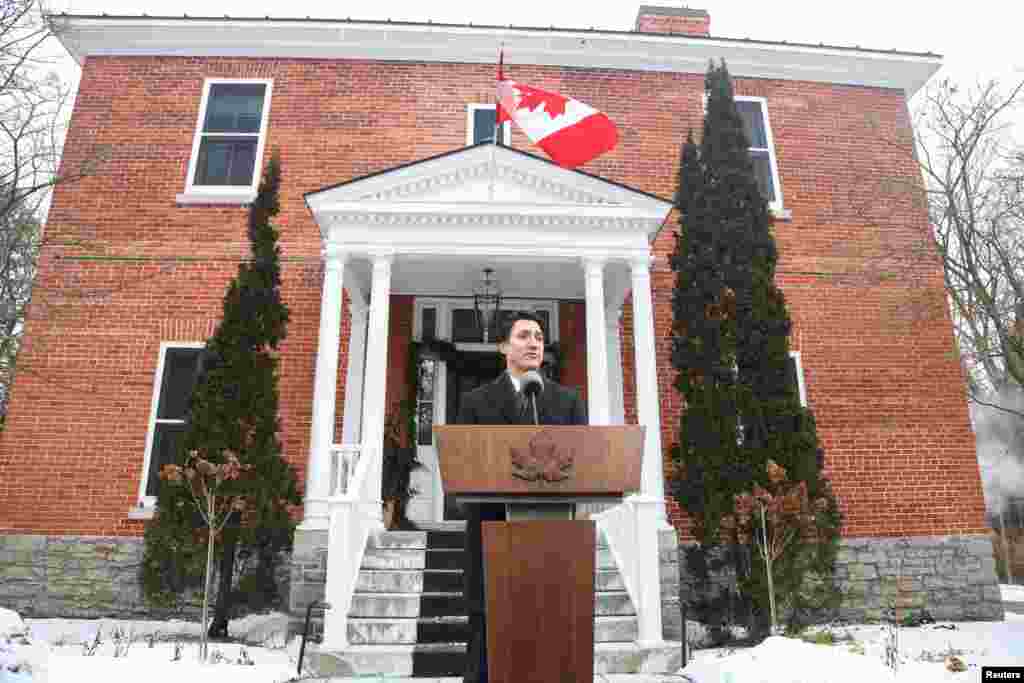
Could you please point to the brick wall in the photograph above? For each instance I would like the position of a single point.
(127, 268)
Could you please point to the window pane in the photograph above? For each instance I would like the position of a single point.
(166, 444)
(428, 328)
(180, 369)
(483, 125)
(234, 108)
(226, 161)
(791, 376)
(763, 171)
(465, 326)
(753, 122)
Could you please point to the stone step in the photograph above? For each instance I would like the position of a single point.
(443, 580)
(445, 558)
(455, 629)
(446, 539)
(394, 558)
(397, 557)
(369, 631)
(398, 540)
(406, 604)
(449, 660)
(609, 580)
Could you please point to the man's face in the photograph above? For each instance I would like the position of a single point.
(524, 348)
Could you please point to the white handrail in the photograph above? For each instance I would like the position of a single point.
(618, 525)
(355, 514)
(344, 460)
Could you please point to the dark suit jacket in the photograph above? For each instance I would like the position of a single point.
(497, 404)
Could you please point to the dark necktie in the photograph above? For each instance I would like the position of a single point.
(525, 409)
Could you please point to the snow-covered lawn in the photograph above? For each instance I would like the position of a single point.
(852, 654)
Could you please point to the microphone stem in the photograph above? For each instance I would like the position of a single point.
(533, 400)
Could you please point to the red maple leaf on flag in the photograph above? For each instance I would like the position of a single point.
(554, 104)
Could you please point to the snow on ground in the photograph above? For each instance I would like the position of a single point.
(858, 655)
(1012, 593)
(855, 657)
(154, 665)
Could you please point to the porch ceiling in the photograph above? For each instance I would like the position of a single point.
(528, 278)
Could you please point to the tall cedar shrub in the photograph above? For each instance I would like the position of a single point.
(731, 350)
(234, 408)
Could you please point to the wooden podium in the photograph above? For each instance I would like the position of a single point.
(539, 565)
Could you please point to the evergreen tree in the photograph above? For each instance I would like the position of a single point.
(731, 324)
(234, 409)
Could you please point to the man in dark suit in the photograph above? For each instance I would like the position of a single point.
(521, 341)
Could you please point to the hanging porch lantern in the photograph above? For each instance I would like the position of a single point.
(487, 302)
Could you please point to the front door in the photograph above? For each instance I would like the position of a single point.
(469, 370)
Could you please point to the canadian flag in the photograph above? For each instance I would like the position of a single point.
(571, 132)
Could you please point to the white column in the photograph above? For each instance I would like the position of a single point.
(318, 470)
(352, 426)
(615, 381)
(597, 346)
(375, 383)
(647, 400)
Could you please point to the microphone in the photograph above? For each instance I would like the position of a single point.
(533, 384)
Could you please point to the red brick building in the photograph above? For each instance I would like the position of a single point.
(368, 115)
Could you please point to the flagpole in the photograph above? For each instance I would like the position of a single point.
(497, 126)
(497, 96)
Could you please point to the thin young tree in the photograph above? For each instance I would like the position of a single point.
(234, 409)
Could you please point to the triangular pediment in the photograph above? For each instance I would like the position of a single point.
(485, 174)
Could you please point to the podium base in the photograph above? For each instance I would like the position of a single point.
(539, 578)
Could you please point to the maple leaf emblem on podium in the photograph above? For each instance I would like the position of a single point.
(542, 459)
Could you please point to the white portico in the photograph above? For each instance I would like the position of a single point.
(427, 229)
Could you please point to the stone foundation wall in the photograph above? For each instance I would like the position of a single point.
(668, 568)
(87, 577)
(308, 577)
(952, 577)
(71, 576)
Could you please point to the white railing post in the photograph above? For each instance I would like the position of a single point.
(321, 433)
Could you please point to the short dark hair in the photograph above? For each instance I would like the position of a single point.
(508, 322)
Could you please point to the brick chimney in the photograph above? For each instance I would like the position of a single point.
(678, 20)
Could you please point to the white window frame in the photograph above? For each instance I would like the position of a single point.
(149, 502)
(226, 194)
(795, 355)
(471, 109)
(776, 205)
(445, 306)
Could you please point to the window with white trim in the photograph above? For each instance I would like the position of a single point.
(176, 374)
(795, 373)
(480, 120)
(231, 133)
(754, 112)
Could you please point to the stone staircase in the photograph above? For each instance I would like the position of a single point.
(407, 615)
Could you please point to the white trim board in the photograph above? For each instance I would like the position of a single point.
(86, 36)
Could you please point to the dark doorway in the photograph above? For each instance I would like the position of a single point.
(467, 371)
